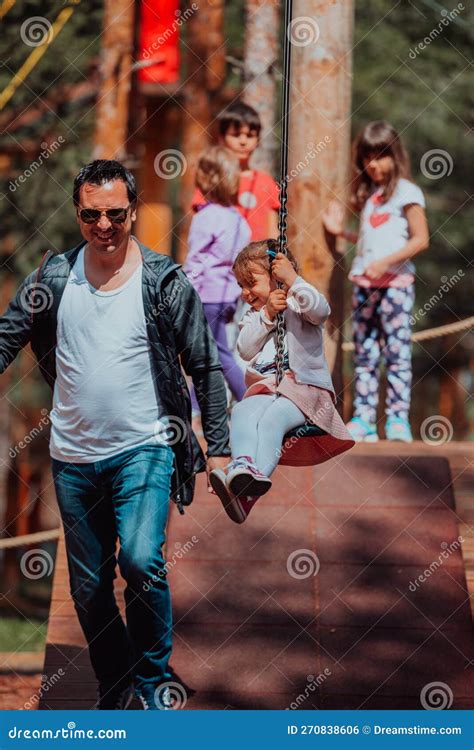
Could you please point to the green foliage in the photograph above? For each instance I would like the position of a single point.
(426, 94)
(39, 211)
(17, 634)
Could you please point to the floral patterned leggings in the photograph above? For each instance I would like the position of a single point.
(382, 329)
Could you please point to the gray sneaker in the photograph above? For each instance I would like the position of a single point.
(155, 699)
(113, 698)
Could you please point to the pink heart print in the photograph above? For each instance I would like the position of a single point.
(378, 219)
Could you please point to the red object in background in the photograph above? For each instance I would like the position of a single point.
(160, 23)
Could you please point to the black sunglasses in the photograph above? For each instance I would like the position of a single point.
(115, 215)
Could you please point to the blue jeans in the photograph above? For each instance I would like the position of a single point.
(124, 497)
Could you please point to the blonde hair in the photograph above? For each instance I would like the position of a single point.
(217, 175)
(257, 253)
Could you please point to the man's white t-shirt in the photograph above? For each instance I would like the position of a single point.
(105, 400)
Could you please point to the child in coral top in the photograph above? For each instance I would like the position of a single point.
(258, 195)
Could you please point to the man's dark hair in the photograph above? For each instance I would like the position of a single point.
(101, 171)
(238, 115)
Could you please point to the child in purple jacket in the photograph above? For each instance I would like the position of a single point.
(217, 234)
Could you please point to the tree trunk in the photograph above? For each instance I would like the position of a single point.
(204, 76)
(261, 52)
(160, 163)
(320, 148)
(115, 80)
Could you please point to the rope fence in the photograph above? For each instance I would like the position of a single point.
(431, 333)
(36, 538)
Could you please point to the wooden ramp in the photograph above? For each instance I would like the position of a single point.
(316, 601)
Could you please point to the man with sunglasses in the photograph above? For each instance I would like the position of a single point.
(112, 324)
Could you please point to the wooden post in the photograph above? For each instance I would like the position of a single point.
(320, 147)
(204, 76)
(262, 39)
(452, 393)
(111, 116)
(159, 163)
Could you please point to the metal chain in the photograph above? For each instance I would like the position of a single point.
(280, 321)
(283, 212)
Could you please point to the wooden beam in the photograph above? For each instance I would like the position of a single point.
(262, 38)
(115, 80)
(320, 147)
(205, 75)
(159, 164)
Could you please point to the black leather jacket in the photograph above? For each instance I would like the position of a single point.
(178, 334)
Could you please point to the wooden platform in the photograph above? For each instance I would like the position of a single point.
(20, 678)
(254, 630)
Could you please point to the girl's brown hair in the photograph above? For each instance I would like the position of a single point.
(257, 253)
(381, 139)
(217, 175)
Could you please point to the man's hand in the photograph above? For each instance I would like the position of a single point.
(215, 462)
(282, 270)
(377, 269)
(276, 302)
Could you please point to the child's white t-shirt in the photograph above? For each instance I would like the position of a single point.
(266, 360)
(384, 228)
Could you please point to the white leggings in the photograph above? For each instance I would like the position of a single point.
(258, 425)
